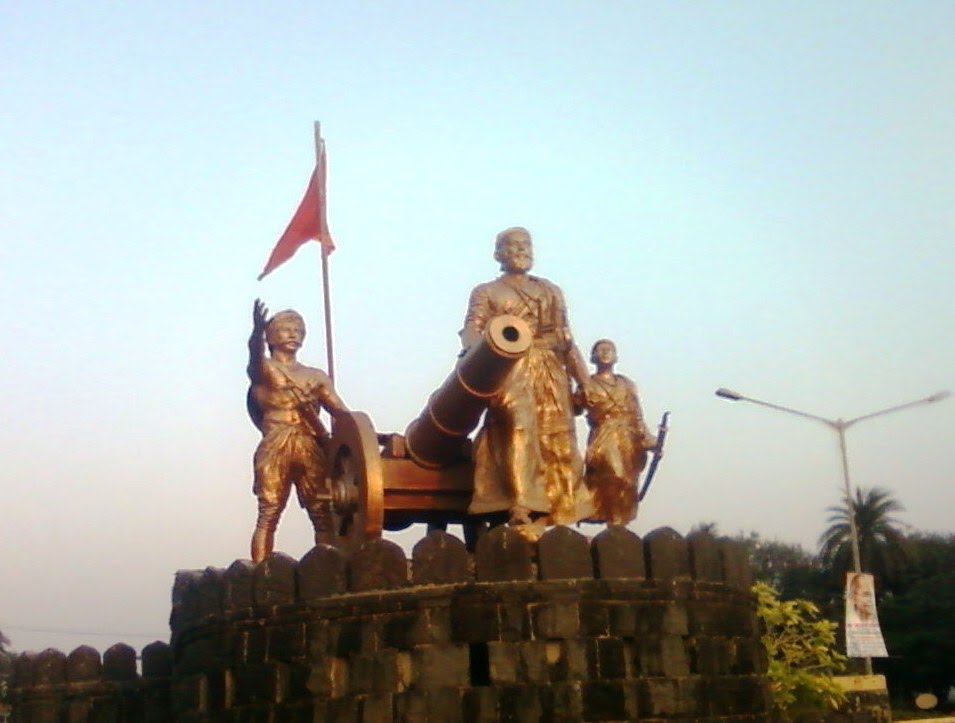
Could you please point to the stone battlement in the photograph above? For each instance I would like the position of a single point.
(81, 686)
(502, 555)
(565, 628)
(562, 628)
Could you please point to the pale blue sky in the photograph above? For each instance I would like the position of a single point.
(742, 194)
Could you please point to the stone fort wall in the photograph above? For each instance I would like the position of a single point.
(52, 687)
(564, 628)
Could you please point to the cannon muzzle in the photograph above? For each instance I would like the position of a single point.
(454, 409)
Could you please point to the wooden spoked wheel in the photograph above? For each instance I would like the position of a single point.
(356, 481)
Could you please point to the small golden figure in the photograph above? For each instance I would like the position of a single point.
(283, 401)
(619, 439)
(526, 456)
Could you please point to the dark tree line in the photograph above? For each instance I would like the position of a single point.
(915, 586)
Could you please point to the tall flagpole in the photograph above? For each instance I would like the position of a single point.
(326, 290)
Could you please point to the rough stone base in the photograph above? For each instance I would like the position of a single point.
(564, 629)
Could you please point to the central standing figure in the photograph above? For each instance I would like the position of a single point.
(526, 456)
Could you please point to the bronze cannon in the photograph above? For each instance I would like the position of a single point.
(389, 481)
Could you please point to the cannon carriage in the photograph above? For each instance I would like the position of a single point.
(389, 481)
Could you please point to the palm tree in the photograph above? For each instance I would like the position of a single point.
(880, 537)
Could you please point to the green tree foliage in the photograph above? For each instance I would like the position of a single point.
(881, 539)
(918, 619)
(6, 667)
(790, 569)
(916, 599)
(705, 528)
(800, 646)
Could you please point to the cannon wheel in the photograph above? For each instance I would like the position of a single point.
(356, 481)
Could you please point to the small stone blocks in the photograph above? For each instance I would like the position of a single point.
(83, 664)
(705, 558)
(210, 591)
(604, 701)
(558, 630)
(156, 660)
(322, 572)
(520, 704)
(49, 667)
(119, 663)
(185, 598)
(617, 552)
(273, 580)
(286, 642)
(439, 666)
(567, 660)
(563, 555)
(480, 704)
(439, 559)
(736, 570)
(238, 586)
(378, 565)
(667, 555)
(503, 554)
(559, 619)
(524, 663)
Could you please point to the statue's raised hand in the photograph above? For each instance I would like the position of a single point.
(260, 313)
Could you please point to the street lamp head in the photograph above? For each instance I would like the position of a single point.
(729, 394)
(939, 396)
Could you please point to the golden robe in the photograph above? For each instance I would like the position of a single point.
(526, 453)
(616, 447)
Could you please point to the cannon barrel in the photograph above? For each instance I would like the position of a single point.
(454, 409)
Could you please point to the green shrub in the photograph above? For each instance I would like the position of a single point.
(802, 654)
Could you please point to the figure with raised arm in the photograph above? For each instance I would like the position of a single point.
(526, 457)
(619, 439)
(284, 401)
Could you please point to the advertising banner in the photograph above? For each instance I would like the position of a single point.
(863, 634)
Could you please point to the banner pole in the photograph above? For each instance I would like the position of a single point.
(326, 288)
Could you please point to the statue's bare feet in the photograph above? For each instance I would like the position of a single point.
(520, 515)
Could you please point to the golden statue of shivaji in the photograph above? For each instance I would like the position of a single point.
(284, 401)
(526, 457)
(619, 439)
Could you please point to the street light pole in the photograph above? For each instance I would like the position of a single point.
(853, 529)
(840, 426)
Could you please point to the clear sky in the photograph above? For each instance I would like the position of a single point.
(742, 194)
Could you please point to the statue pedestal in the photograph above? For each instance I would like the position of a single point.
(616, 628)
(561, 628)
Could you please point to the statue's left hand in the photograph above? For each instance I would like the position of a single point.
(587, 393)
(260, 313)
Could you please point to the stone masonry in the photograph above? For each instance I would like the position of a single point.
(561, 629)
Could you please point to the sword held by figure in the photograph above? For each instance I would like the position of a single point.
(657, 453)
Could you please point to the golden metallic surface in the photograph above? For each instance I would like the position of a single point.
(434, 439)
(526, 456)
(284, 400)
(357, 481)
(618, 441)
(374, 490)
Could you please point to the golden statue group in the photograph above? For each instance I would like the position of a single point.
(525, 456)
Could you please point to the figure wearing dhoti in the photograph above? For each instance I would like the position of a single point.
(284, 400)
(619, 439)
(526, 457)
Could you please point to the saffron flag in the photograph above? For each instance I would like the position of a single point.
(310, 222)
